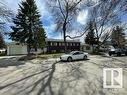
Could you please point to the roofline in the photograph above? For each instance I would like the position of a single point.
(61, 40)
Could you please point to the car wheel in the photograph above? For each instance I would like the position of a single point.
(69, 59)
(85, 57)
(126, 53)
(110, 54)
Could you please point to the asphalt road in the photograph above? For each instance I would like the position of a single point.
(51, 77)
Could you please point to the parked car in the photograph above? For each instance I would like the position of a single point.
(74, 55)
(117, 51)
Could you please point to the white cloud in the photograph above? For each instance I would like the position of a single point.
(51, 33)
(12, 4)
(58, 36)
(46, 15)
(50, 29)
(41, 4)
(82, 17)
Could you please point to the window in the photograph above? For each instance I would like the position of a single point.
(81, 52)
(67, 44)
(51, 43)
(70, 44)
(59, 44)
(76, 53)
(55, 44)
(62, 44)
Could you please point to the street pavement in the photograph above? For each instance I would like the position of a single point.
(52, 77)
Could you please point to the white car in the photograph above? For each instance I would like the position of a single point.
(74, 55)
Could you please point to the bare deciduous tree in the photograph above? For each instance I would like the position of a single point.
(104, 17)
(118, 37)
(5, 15)
(64, 12)
(103, 14)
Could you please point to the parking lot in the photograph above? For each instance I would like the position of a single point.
(51, 77)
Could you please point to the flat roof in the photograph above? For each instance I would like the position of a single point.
(61, 40)
(15, 43)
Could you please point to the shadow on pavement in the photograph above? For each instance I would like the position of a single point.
(61, 61)
(73, 81)
(5, 62)
(44, 82)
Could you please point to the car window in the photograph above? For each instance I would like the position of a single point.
(72, 52)
(81, 52)
(76, 53)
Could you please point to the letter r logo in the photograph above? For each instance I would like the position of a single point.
(112, 78)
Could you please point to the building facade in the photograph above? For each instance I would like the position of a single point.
(52, 46)
(57, 45)
(15, 48)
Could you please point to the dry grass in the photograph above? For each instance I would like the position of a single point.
(42, 56)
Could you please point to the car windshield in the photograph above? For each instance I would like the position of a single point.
(73, 52)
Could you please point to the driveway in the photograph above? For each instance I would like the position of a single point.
(51, 77)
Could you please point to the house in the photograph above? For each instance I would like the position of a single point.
(52, 45)
(86, 48)
(126, 41)
(15, 48)
(57, 45)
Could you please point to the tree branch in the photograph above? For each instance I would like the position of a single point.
(77, 36)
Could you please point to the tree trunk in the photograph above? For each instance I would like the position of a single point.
(98, 46)
(64, 34)
(28, 49)
(92, 48)
(65, 44)
(35, 48)
(35, 42)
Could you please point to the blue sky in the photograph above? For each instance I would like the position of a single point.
(46, 18)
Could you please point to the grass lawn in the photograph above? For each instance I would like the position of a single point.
(47, 56)
(41, 56)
